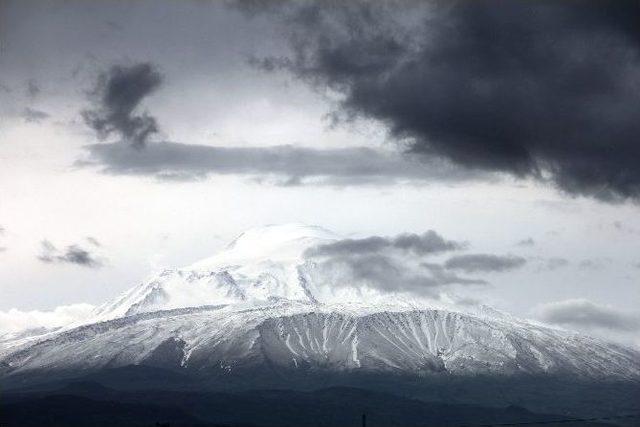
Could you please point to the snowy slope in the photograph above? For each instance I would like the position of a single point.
(256, 304)
(326, 337)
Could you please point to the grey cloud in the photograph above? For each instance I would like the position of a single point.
(538, 89)
(471, 263)
(582, 313)
(289, 164)
(624, 228)
(426, 243)
(114, 25)
(33, 88)
(348, 246)
(31, 115)
(526, 242)
(549, 264)
(382, 273)
(442, 276)
(388, 264)
(555, 263)
(429, 242)
(93, 241)
(387, 274)
(73, 254)
(118, 93)
(594, 263)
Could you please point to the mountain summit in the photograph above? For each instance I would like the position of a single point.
(260, 266)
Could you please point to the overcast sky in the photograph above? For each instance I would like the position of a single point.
(147, 134)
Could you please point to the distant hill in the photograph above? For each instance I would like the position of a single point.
(91, 404)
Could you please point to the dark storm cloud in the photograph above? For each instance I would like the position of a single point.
(73, 254)
(117, 94)
(582, 313)
(290, 165)
(542, 89)
(31, 115)
(429, 242)
(471, 263)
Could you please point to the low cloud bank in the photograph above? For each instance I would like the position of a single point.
(14, 320)
(584, 314)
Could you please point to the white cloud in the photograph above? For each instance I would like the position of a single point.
(15, 320)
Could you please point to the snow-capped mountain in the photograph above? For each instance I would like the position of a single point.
(259, 304)
(261, 265)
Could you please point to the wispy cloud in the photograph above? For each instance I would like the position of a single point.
(31, 115)
(72, 254)
(526, 242)
(472, 263)
(32, 88)
(550, 264)
(426, 243)
(594, 263)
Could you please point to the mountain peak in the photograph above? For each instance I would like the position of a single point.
(274, 235)
(281, 241)
(262, 264)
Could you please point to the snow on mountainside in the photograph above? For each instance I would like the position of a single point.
(257, 304)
